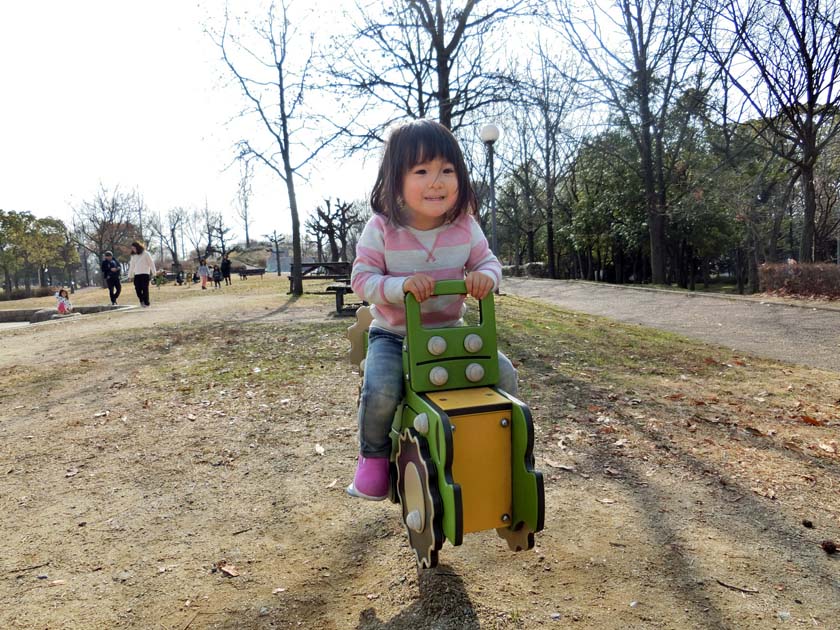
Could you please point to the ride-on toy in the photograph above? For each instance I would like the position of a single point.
(462, 458)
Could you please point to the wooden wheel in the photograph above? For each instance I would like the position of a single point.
(422, 509)
(518, 539)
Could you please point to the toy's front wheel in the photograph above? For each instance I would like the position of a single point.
(422, 509)
(518, 539)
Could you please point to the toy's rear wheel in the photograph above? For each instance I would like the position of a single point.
(422, 509)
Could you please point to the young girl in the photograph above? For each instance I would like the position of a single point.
(422, 231)
(64, 306)
(217, 277)
(203, 271)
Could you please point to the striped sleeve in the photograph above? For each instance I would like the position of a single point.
(369, 278)
(481, 258)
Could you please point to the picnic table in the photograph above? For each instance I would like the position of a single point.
(340, 290)
(323, 271)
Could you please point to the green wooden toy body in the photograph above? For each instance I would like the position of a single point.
(424, 438)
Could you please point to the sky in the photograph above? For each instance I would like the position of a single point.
(134, 94)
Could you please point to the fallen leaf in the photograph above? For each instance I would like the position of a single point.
(812, 421)
(606, 501)
(765, 492)
(101, 414)
(554, 464)
(320, 449)
(828, 448)
(57, 582)
(332, 483)
(278, 590)
(71, 472)
(229, 570)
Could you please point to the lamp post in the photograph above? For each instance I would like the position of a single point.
(489, 134)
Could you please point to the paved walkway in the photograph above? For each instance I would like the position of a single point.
(794, 334)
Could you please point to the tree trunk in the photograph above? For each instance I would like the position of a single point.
(739, 270)
(297, 259)
(809, 195)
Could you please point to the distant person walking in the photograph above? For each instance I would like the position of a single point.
(111, 271)
(226, 269)
(204, 272)
(141, 269)
(217, 277)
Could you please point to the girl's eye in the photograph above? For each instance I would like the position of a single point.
(420, 171)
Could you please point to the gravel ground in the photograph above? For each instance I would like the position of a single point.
(794, 333)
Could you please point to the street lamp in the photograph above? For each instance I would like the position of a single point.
(489, 134)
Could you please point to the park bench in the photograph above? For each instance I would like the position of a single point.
(244, 272)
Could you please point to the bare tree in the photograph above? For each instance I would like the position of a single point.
(243, 197)
(109, 221)
(792, 48)
(274, 86)
(167, 231)
(550, 97)
(333, 225)
(276, 241)
(195, 233)
(638, 65)
(422, 58)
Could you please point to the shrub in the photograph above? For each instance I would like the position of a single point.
(534, 270)
(812, 280)
(20, 293)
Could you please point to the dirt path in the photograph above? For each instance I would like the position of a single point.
(147, 456)
(794, 334)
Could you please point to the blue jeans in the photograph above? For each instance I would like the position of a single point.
(383, 390)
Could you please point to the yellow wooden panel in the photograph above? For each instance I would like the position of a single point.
(462, 398)
(481, 464)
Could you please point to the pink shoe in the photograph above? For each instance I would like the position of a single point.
(371, 480)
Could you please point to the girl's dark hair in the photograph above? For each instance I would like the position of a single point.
(138, 246)
(413, 143)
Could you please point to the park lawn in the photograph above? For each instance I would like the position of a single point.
(676, 472)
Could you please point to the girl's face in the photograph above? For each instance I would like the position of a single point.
(429, 190)
(63, 293)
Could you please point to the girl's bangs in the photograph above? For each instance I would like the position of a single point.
(429, 144)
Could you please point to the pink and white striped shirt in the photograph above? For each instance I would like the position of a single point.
(387, 254)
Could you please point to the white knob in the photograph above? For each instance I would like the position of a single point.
(421, 423)
(438, 376)
(436, 345)
(414, 521)
(473, 343)
(474, 372)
